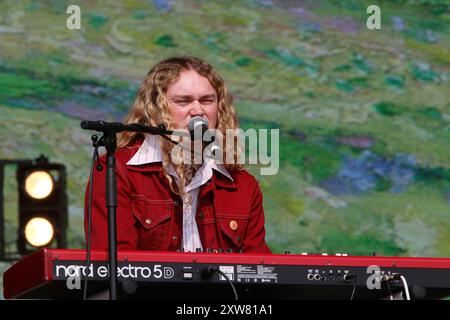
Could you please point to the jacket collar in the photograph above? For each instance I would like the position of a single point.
(223, 182)
(148, 158)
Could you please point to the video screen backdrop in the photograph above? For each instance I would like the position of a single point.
(364, 115)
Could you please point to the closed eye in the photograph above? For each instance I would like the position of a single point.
(182, 102)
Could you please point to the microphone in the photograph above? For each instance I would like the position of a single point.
(195, 124)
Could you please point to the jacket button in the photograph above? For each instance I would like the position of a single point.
(234, 225)
(174, 238)
(176, 203)
(200, 215)
(148, 221)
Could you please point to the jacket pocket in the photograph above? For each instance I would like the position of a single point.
(152, 221)
(232, 229)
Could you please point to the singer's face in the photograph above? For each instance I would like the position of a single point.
(192, 95)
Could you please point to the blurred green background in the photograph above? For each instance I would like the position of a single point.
(364, 115)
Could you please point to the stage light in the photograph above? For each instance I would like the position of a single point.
(42, 205)
(39, 184)
(39, 232)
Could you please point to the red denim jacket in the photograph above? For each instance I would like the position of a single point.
(230, 214)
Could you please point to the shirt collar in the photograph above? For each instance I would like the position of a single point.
(150, 152)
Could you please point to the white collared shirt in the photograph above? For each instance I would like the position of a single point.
(150, 152)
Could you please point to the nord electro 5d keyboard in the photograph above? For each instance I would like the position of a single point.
(59, 274)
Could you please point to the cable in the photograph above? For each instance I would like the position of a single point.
(405, 285)
(396, 276)
(207, 272)
(229, 281)
(88, 244)
(354, 288)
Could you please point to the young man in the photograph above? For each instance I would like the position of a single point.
(163, 205)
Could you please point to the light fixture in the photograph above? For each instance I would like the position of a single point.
(42, 205)
(39, 184)
(39, 232)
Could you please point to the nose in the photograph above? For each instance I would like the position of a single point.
(196, 109)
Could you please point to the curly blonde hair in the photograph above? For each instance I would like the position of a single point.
(151, 108)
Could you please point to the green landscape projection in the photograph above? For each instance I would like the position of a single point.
(364, 115)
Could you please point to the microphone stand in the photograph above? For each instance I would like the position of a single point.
(109, 141)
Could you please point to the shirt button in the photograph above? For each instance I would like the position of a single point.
(234, 225)
(148, 221)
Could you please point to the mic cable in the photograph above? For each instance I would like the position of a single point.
(95, 156)
(209, 271)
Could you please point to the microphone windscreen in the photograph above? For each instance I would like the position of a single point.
(198, 123)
